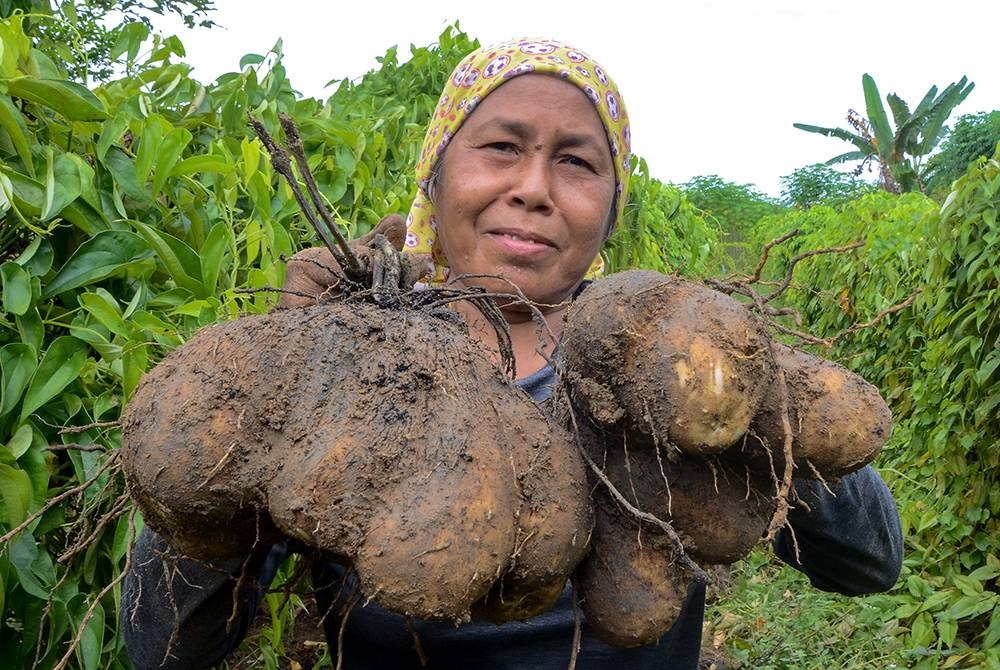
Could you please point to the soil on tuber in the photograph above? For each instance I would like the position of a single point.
(385, 437)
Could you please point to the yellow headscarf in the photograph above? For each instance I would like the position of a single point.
(482, 72)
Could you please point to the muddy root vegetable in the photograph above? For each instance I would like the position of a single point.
(674, 361)
(839, 421)
(553, 531)
(718, 507)
(385, 437)
(631, 587)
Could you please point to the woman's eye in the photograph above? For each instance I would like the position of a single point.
(501, 146)
(578, 162)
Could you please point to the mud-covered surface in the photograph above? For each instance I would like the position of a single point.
(718, 507)
(388, 439)
(839, 422)
(631, 587)
(668, 359)
(383, 436)
(684, 402)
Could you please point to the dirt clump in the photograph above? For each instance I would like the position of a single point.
(385, 437)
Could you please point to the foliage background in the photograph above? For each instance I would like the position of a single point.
(139, 209)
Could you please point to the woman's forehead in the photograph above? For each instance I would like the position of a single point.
(538, 98)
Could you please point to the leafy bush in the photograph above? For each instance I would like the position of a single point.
(661, 230)
(821, 185)
(938, 364)
(735, 209)
(974, 136)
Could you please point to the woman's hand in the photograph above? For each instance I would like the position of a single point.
(313, 272)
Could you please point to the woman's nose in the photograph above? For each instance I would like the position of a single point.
(532, 187)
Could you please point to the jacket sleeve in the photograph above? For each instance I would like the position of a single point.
(175, 612)
(849, 542)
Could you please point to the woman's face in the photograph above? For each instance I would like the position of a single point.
(526, 189)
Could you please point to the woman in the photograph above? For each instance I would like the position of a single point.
(522, 178)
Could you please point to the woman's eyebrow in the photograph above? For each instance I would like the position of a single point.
(513, 126)
(522, 130)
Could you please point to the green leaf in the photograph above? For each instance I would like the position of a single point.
(92, 641)
(21, 441)
(13, 123)
(987, 370)
(922, 630)
(130, 39)
(992, 637)
(124, 536)
(104, 255)
(168, 154)
(35, 463)
(122, 168)
(900, 110)
(984, 573)
(972, 606)
(72, 100)
(877, 118)
(838, 133)
(939, 112)
(60, 366)
(968, 585)
(17, 363)
(213, 253)
(102, 306)
(152, 133)
(16, 284)
(6, 193)
(36, 259)
(63, 182)
(947, 629)
(206, 163)
(251, 59)
(135, 363)
(29, 195)
(69, 10)
(111, 132)
(16, 44)
(180, 260)
(15, 489)
(31, 329)
(85, 217)
(34, 569)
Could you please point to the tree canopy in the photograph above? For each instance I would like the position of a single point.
(901, 146)
(87, 37)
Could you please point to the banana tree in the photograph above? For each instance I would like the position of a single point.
(899, 151)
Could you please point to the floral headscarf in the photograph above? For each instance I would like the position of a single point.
(482, 72)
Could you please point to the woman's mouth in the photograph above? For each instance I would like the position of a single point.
(518, 242)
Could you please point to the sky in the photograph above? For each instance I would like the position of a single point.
(712, 86)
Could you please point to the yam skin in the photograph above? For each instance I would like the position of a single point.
(385, 437)
(667, 359)
(719, 509)
(839, 421)
(553, 531)
(190, 447)
(631, 587)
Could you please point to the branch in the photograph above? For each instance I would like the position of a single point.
(878, 317)
(282, 164)
(806, 254)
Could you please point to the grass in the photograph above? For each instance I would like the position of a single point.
(768, 617)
